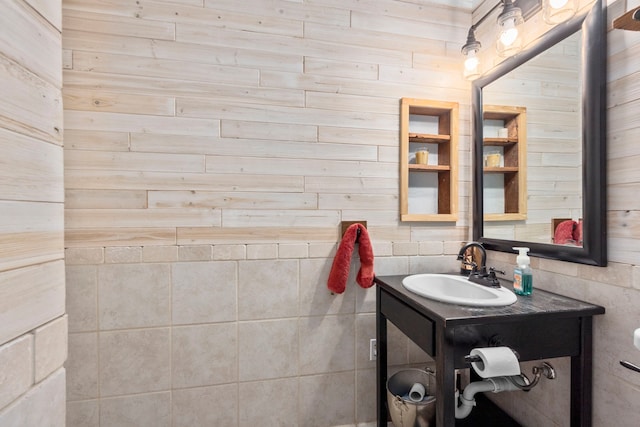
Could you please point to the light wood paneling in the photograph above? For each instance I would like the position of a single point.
(149, 67)
(352, 70)
(119, 161)
(34, 42)
(105, 199)
(31, 233)
(362, 202)
(192, 15)
(50, 10)
(85, 100)
(623, 197)
(29, 297)
(124, 26)
(301, 10)
(244, 56)
(436, 30)
(141, 236)
(285, 102)
(232, 200)
(277, 43)
(309, 167)
(29, 169)
(75, 139)
(442, 87)
(350, 185)
(432, 12)
(250, 234)
(267, 130)
(280, 218)
(178, 144)
(139, 218)
(200, 108)
(117, 122)
(134, 180)
(627, 170)
(154, 86)
(358, 136)
(369, 36)
(32, 106)
(367, 104)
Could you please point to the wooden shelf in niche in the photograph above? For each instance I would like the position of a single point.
(428, 192)
(505, 183)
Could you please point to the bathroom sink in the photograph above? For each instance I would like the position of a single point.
(457, 290)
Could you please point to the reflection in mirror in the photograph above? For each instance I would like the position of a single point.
(543, 112)
(546, 91)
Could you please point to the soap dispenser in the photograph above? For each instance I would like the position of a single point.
(522, 274)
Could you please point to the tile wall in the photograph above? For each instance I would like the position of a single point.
(255, 340)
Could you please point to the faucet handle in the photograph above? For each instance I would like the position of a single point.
(493, 271)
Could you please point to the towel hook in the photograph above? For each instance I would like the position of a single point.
(630, 365)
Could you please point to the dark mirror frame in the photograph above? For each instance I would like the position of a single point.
(594, 159)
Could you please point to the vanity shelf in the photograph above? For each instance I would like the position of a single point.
(428, 192)
(505, 182)
(555, 325)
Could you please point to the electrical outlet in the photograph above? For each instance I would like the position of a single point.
(373, 349)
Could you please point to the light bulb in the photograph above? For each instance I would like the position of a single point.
(557, 11)
(509, 33)
(471, 63)
(557, 4)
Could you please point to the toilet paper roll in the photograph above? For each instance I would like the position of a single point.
(417, 392)
(495, 362)
(636, 338)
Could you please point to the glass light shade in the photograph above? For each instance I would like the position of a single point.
(470, 51)
(471, 65)
(557, 11)
(509, 41)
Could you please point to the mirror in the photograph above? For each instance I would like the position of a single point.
(543, 173)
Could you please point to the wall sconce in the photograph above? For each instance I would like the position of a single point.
(509, 41)
(470, 51)
(557, 11)
(514, 13)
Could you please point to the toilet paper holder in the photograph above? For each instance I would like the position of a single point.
(525, 384)
(471, 358)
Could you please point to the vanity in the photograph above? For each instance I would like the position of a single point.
(543, 325)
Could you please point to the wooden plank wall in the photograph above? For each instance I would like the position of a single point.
(202, 122)
(33, 325)
(31, 174)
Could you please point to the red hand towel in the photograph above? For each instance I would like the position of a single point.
(339, 274)
(564, 232)
(577, 233)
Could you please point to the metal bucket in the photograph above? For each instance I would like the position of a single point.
(405, 412)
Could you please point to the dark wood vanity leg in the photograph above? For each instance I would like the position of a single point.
(445, 381)
(381, 363)
(582, 377)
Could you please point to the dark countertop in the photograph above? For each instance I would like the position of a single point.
(539, 304)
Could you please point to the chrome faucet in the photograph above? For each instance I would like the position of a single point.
(469, 263)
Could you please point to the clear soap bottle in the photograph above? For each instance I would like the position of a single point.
(522, 274)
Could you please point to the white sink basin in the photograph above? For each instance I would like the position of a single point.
(457, 290)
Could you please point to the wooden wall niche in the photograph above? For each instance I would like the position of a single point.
(505, 181)
(429, 192)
